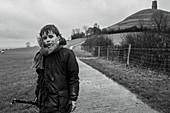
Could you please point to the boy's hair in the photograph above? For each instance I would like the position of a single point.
(48, 28)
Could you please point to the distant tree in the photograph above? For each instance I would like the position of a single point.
(28, 44)
(89, 31)
(76, 33)
(85, 28)
(96, 29)
(96, 25)
(98, 40)
(159, 21)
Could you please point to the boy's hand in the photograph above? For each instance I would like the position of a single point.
(57, 41)
(73, 105)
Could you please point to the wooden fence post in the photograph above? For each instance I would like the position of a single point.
(98, 51)
(128, 56)
(108, 53)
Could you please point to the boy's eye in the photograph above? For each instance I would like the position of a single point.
(44, 38)
(50, 36)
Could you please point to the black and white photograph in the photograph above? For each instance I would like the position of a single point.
(84, 56)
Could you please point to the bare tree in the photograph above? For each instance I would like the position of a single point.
(28, 44)
(96, 25)
(159, 21)
(75, 31)
(85, 29)
(89, 31)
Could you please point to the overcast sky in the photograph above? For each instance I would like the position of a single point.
(21, 20)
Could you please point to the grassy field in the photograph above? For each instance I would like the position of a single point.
(151, 87)
(18, 79)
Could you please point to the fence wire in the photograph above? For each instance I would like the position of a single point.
(154, 58)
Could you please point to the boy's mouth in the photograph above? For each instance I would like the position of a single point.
(50, 45)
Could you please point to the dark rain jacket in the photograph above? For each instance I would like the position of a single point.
(58, 82)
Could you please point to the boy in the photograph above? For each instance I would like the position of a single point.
(58, 82)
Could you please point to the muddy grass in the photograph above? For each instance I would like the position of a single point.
(151, 87)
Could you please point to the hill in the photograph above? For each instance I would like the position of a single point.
(142, 17)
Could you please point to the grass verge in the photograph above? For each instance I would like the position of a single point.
(151, 87)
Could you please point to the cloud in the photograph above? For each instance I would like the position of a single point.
(22, 19)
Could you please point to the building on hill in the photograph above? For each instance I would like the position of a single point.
(139, 19)
(154, 4)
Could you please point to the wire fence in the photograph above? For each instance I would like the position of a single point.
(153, 58)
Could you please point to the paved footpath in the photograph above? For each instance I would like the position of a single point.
(99, 94)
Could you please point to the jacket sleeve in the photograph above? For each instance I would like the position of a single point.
(40, 73)
(73, 79)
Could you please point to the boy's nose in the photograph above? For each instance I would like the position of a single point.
(48, 40)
